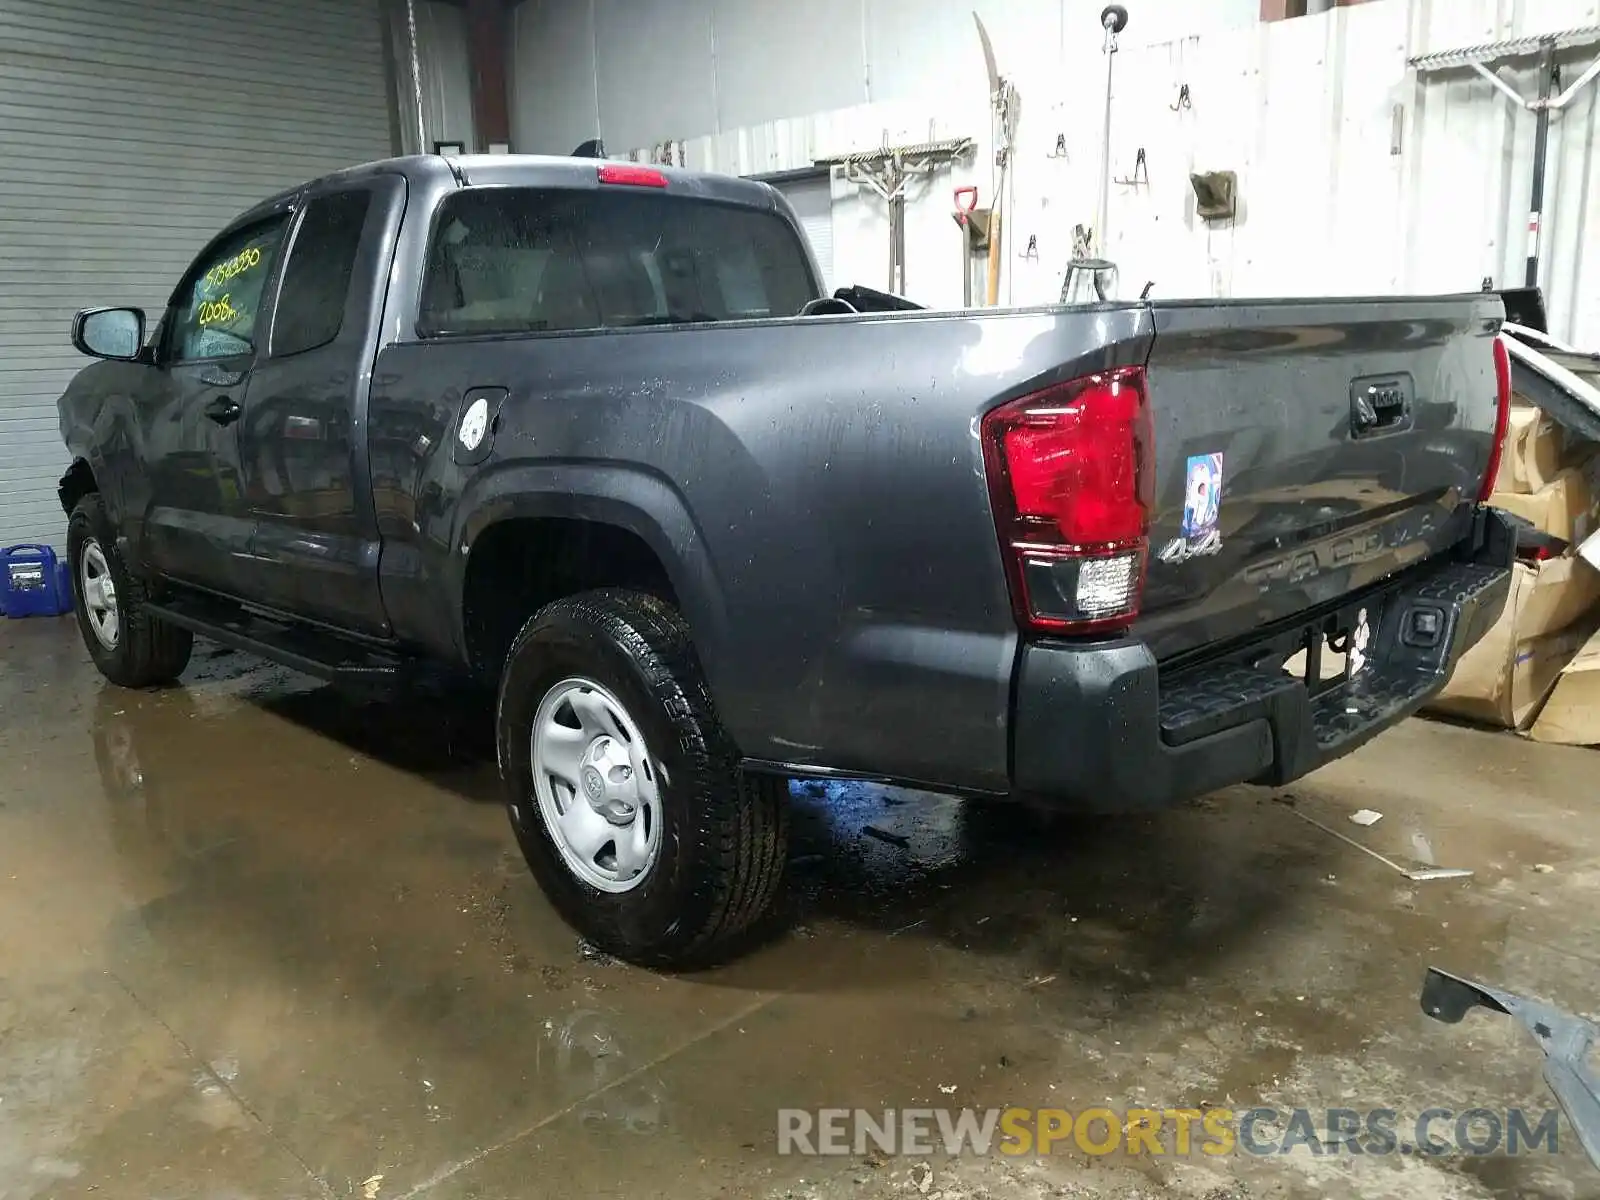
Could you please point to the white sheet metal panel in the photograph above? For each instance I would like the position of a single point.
(131, 132)
(1472, 185)
(639, 72)
(1154, 21)
(1440, 25)
(762, 74)
(555, 107)
(813, 204)
(656, 77)
(1472, 163)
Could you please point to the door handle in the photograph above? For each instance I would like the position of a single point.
(224, 410)
(1379, 404)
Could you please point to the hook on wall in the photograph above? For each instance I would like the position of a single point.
(1033, 247)
(1183, 99)
(1141, 172)
(1061, 147)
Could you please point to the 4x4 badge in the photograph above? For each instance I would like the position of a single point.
(1179, 550)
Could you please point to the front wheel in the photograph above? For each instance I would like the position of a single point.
(132, 647)
(625, 792)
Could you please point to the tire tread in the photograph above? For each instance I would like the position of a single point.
(152, 652)
(744, 826)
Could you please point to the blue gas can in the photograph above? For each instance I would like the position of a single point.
(33, 583)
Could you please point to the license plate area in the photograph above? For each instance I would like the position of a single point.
(1329, 652)
(1322, 653)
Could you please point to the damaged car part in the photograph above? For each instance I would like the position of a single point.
(1565, 1039)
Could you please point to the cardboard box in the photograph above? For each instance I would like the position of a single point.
(1551, 596)
(1505, 678)
(1571, 717)
(1505, 683)
(1535, 451)
(1565, 507)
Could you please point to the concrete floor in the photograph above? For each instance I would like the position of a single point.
(259, 941)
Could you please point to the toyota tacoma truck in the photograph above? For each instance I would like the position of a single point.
(592, 434)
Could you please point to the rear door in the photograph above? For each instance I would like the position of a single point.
(197, 527)
(303, 449)
(1307, 449)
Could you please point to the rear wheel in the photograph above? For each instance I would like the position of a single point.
(624, 790)
(130, 646)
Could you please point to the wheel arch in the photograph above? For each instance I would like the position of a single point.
(78, 482)
(598, 525)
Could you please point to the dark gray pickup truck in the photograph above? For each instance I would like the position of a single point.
(590, 433)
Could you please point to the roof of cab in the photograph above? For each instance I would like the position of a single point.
(522, 170)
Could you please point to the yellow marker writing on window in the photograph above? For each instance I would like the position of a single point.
(217, 312)
(237, 265)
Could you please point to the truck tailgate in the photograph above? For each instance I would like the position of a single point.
(1305, 450)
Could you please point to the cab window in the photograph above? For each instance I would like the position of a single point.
(215, 314)
(528, 260)
(317, 275)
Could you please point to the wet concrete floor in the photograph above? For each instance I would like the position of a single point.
(258, 940)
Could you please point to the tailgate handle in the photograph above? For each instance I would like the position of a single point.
(1378, 404)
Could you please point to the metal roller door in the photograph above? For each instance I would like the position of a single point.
(131, 131)
(812, 198)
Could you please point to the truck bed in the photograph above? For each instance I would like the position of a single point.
(819, 489)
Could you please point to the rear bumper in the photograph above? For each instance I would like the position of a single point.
(1102, 728)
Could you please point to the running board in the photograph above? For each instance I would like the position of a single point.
(323, 655)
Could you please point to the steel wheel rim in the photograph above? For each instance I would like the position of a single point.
(598, 789)
(99, 595)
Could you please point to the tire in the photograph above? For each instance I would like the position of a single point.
(719, 836)
(144, 652)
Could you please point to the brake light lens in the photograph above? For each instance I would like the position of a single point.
(1071, 481)
(1502, 420)
(630, 176)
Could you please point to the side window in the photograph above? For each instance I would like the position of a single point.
(215, 313)
(316, 279)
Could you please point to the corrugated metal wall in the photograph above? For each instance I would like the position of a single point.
(1357, 176)
(131, 131)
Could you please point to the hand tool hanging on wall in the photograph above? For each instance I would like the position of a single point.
(1003, 102)
(1141, 172)
(966, 201)
(887, 172)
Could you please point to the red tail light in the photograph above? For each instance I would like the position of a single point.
(627, 176)
(1502, 420)
(1071, 480)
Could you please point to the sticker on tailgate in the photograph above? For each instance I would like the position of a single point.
(1202, 510)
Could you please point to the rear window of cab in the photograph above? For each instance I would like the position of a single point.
(534, 260)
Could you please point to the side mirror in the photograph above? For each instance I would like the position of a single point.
(116, 333)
